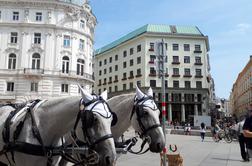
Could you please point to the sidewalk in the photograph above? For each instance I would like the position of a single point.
(194, 153)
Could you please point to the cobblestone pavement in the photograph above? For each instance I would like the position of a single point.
(194, 153)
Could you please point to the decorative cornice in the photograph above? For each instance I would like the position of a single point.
(36, 48)
(66, 52)
(11, 50)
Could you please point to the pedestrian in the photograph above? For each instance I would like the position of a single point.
(241, 138)
(247, 131)
(202, 131)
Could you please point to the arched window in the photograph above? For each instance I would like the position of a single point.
(65, 64)
(35, 61)
(12, 61)
(80, 67)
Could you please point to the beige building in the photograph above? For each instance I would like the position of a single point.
(241, 96)
(133, 59)
(46, 48)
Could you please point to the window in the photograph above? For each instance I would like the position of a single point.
(37, 38)
(131, 74)
(82, 24)
(152, 83)
(100, 63)
(110, 79)
(138, 60)
(15, 16)
(197, 59)
(131, 62)
(110, 89)
(187, 72)
(35, 61)
(131, 51)
(105, 71)
(166, 83)
(175, 47)
(38, 16)
(186, 47)
(197, 47)
(116, 77)
(14, 37)
(166, 46)
(175, 59)
(104, 81)
(105, 61)
(198, 72)
(124, 64)
(34, 87)
(124, 86)
(80, 67)
(198, 84)
(0, 15)
(186, 59)
(110, 60)
(65, 64)
(124, 75)
(10, 86)
(152, 58)
(175, 71)
(151, 47)
(110, 69)
(81, 44)
(175, 84)
(139, 48)
(138, 72)
(116, 67)
(138, 83)
(131, 85)
(100, 72)
(12, 61)
(124, 53)
(116, 88)
(187, 84)
(152, 70)
(64, 88)
(116, 57)
(66, 41)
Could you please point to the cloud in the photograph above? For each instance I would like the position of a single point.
(240, 29)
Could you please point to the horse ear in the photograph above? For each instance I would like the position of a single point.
(85, 95)
(150, 92)
(104, 95)
(139, 93)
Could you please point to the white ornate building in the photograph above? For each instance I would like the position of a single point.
(134, 59)
(46, 48)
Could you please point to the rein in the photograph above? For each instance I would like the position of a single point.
(137, 108)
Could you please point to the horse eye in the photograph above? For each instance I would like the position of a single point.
(145, 113)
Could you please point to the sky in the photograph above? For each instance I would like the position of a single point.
(227, 23)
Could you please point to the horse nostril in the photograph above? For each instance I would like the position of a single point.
(108, 161)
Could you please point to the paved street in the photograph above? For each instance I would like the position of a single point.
(194, 152)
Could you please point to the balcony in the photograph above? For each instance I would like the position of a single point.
(138, 75)
(115, 81)
(175, 63)
(198, 76)
(105, 83)
(130, 77)
(151, 62)
(110, 82)
(175, 75)
(99, 84)
(197, 51)
(153, 74)
(198, 63)
(188, 75)
(151, 49)
(125, 78)
(166, 75)
(30, 71)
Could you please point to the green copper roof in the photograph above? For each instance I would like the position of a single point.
(169, 29)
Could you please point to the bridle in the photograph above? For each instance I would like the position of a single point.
(138, 109)
(87, 120)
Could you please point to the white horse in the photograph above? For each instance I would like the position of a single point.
(55, 118)
(140, 111)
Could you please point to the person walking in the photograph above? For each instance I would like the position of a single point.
(202, 131)
(241, 138)
(247, 132)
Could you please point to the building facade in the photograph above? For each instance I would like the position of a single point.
(46, 48)
(241, 95)
(133, 59)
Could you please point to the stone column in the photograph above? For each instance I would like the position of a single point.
(169, 112)
(183, 112)
(196, 110)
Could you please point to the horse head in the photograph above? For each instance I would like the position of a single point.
(96, 119)
(145, 118)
